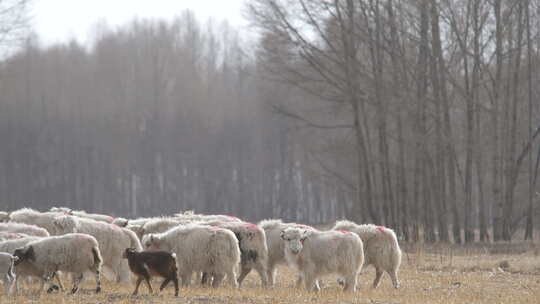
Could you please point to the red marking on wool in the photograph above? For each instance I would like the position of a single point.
(251, 226)
(344, 231)
(381, 228)
(305, 227)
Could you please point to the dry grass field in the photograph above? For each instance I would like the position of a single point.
(428, 275)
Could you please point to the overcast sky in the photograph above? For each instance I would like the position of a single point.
(62, 20)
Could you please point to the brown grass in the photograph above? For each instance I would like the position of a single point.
(441, 275)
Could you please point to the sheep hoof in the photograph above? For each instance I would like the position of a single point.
(74, 290)
(98, 289)
(53, 288)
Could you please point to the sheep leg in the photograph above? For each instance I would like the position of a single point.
(309, 281)
(261, 270)
(76, 281)
(136, 291)
(378, 276)
(98, 280)
(55, 275)
(205, 279)
(217, 280)
(271, 274)
(299, 281)
(393, 276)
(175, 281)
(147, 280)
(243, 273)
(350, 283)
(164, 283)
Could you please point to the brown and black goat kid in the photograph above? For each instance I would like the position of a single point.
(147, 264)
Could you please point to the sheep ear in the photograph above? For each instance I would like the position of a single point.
(305, 234)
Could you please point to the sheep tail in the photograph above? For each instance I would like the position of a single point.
(98, 260)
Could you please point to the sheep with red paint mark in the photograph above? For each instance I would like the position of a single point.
(113, 240)
(198, 248)
(381, 248)
(27, 229)
(317, 253)
(275, 245)
(253, 248)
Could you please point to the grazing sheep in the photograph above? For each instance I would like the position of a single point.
(152, 263)
(23, 228)
(25, 269)
(4, 216)
(275, 245)
(34, 217)
(113, 240)
(253, 248)
(74, 253)
(316, 253)
(7, 276)
(81, 213)
(212, 250)
(381, 249)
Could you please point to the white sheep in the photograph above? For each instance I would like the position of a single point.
(81, 213)
(34, 217)
(113, 240)
(275, 245)
(207, 217)
(316, 253)
(253, 248)
(4, 216)
(7, 276)
(24, 269)
(208, 249)
(24, 228)
(381, 248)
(73, 253)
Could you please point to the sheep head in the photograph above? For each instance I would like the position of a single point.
(24, 254)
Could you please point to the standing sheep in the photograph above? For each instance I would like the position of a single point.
(253, 248)
(275, 245)
(152, 263)
(113, 240)
(25, 269)
(74, 253)
(381, 249)
(32, 230)
(316, 253)
(34, 217)
(212, 250)
(7, 276)
(81, 213)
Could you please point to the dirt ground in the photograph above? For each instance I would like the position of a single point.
(428, 275)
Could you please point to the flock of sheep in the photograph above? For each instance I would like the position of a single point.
(213, 247)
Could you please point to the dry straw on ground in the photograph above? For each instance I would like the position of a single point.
(440, 275)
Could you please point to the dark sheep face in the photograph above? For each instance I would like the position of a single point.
(24, 254)
(128, 252)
